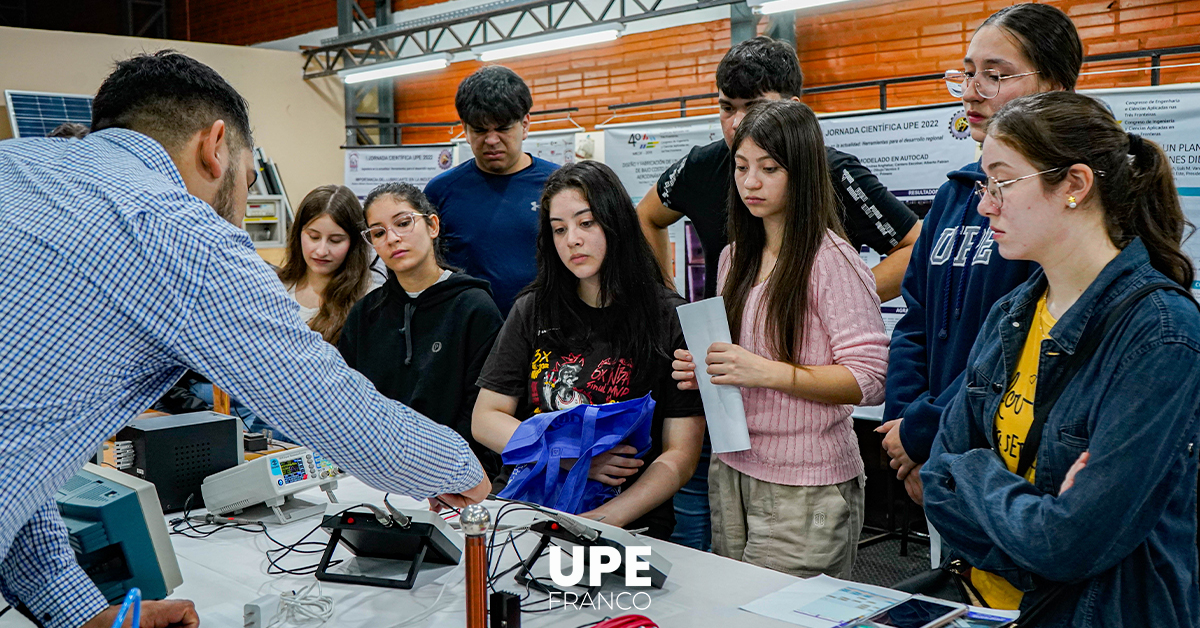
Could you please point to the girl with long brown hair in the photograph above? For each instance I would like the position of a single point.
(810, 343)
(1064, 472)
(327, 266)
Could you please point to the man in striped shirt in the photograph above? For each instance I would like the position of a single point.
(121, 266)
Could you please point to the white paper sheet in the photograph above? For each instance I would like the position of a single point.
(704, 323)
(824, 602)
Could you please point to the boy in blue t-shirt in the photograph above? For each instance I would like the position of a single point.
(489, 204)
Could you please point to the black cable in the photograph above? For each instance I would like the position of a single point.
(443, 502)
(5, 610)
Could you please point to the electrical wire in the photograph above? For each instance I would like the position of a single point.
(301, 607)
(433, 608)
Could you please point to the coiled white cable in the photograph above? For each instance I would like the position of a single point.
(300, 607)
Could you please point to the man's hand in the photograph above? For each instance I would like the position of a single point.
(895, 449)
(914, 487)
(155, 614)
(1069, 481)
(463, 499)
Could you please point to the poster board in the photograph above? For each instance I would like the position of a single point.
(368, 167)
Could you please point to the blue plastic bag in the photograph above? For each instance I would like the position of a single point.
(581, 432)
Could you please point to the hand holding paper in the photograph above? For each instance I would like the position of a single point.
(704, 323)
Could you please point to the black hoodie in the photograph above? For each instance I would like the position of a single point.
(427, 352)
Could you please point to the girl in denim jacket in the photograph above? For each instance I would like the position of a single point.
(1097, 526)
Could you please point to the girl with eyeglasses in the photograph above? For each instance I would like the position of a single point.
(423, 337)
(597, 326)
(955, 274)
(1064, 473)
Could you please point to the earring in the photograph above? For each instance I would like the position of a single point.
(1071, 202)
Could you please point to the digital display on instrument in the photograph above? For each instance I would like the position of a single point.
(293, 470)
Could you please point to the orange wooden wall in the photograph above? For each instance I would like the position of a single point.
(852, 41)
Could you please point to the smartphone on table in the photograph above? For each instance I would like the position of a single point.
(919, 611)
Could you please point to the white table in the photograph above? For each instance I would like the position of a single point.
(229, 569)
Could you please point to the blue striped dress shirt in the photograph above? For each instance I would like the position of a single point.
(113, 281)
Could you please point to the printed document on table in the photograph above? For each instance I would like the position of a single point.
(824, 602)
(704, 323)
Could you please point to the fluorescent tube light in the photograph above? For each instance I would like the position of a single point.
(536, 45)
(391, 69)
(779, 6)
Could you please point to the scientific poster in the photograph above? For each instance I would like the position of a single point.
(641, 152)
(369, 167)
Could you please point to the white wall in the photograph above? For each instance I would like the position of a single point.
(300, 124)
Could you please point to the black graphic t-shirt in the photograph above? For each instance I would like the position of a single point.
(697, 186)
(525, 364)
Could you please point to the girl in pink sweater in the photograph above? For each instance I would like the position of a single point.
(810, 345)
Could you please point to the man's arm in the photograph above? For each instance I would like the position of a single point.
(655, 218)
(889, 272)
(40, 572)
(874, 217)
(244, 333)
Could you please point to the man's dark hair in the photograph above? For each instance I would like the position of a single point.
(760, 65)
(170, 97)
(493, 96)
(69, 130)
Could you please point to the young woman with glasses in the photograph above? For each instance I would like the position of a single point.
(423, 337)
(1073, 490)
(955, 274)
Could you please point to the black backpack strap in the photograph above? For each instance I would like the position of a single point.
(1044, 400)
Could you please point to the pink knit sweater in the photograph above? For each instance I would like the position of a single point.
(795, 441)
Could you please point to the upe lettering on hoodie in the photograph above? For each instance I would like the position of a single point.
(983, 250)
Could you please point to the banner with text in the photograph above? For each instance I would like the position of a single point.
(369, 167)
(554, 146)
(1170, 116)
(909, 151)
(640, 152)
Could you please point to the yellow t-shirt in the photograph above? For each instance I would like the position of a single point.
(1013, 420)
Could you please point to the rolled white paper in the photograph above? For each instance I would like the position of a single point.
(704, 323)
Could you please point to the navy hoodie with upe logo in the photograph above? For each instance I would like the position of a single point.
(426, 352)
(955, 276)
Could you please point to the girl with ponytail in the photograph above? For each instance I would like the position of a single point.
(1064, 472)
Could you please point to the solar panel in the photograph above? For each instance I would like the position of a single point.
(35, 114)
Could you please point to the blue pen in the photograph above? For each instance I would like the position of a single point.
(134, 599)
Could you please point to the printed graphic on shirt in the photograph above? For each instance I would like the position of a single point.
(960, 243)
(1015, 416)
(565, 381)
(855, 192)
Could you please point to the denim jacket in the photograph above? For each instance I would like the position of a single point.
(1125, 535)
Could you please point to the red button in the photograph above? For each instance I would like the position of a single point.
(349, 519)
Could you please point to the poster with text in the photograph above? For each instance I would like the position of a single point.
(640, 153)
(1170, 116)
(909, 151)
(555, 147)
(369, 167)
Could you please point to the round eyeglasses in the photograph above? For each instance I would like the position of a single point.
(987, 82)
(993, 186)
(401, 226)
